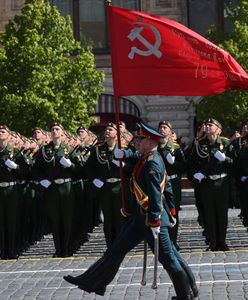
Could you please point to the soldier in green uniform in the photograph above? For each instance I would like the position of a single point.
(241, 170)
(149, 220)
(9, 197)
(38, 135)
(200, 134)
(35, 211)
(54, 171)
(81, 212)
(175, 162)
(210, 164)
(103, 171)
(91, 207)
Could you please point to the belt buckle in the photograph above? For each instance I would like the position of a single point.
(4, 184)
(59, 180)
(112, 180)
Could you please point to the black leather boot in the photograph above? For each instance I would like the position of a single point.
(181, 285)
(81, 284)
(191, 278)
(189, 297)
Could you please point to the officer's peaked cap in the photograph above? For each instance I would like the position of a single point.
(149, 132)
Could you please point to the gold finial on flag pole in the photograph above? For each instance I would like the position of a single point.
(108, 2)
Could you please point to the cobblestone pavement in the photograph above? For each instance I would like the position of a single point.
(219, 275)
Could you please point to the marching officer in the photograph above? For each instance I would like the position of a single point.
(54, 171)
(210, 165)
(174, 161)
(149, 220)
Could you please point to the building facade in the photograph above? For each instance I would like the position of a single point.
(90, 25)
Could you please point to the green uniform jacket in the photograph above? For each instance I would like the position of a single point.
(47, 165)
(202, 157)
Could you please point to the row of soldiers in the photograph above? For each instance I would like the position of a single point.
(46, 186)
(57, 182)
(218, 168)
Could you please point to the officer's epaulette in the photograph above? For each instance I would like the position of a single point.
(176, 145)
(124, 146)
(223, 138)
(150, 157)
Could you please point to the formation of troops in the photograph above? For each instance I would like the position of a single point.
(66, 184)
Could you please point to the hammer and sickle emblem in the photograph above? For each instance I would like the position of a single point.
(151, 49)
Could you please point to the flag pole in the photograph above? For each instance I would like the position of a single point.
(124, 210)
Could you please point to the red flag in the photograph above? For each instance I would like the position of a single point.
(156, 56)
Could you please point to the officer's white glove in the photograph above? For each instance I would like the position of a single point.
(219, 155)
(155, 231)
(11, 164)
(199, 176)
(173, 222)
(98, 183)
(243, 178)
(65, 162)
(118, 153)
(170, 158)
(45, 183)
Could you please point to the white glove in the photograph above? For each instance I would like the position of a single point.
(243, 178)
(173, 223)
(170, 158)
(118, 153)
(66, 162)
(98, 183)
(199, 176)
(155, 231)
(219, 155)
(116, 162)
(45, 183)
(11, 164)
